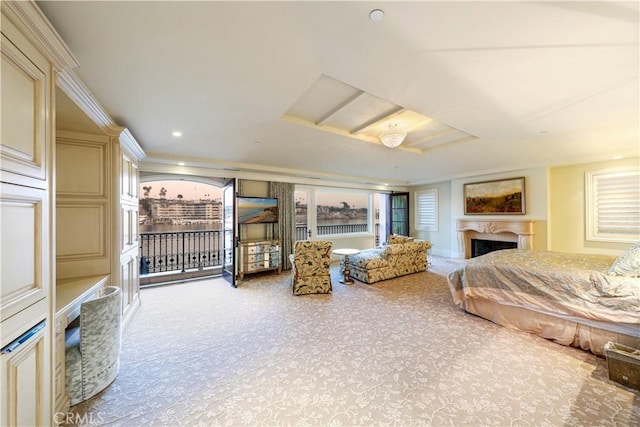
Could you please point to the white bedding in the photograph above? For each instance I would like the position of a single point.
(569, 298)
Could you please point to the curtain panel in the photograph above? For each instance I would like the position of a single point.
(285, 228)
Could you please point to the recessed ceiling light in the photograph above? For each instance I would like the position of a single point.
(376, 15)
(176, 133)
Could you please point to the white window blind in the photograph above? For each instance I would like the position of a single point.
(427, 210)
(613, 205)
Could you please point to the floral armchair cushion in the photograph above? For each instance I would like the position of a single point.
(310, 272)
(397, 238)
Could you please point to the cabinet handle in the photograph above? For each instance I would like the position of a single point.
(13, 345)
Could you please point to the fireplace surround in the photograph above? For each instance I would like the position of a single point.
(518, 231)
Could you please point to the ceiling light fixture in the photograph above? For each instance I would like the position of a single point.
(392, 137)
(376, 15)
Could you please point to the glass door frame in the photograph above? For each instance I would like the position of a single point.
(399, 215)
(312, 228)
(230, 228)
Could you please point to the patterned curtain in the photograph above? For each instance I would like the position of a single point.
(285, 228)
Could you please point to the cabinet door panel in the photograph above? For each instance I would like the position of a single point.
(81, 166)
(130, 283)
(24, 94)
(24, 383)
(25, 254)
(125, 177)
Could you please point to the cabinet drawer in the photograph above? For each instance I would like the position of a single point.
(254, 258)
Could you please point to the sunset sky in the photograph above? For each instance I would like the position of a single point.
(189, 190)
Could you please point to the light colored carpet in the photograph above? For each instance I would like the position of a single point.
(394, 353)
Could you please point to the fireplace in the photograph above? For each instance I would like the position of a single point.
(516, 232)
(481, 246)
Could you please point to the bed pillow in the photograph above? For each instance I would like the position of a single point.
(627, 264)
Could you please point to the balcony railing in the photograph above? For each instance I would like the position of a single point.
(302, 231)
(179, 251)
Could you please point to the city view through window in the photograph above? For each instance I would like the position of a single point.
(179, 206)
(181, 222)
(185, 205)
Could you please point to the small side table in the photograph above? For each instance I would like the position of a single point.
(346, 252)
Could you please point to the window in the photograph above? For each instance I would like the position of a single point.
(613, 205)
(427, 210)
(326, 212)
(342, 212)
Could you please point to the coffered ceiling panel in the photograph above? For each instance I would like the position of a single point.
(333, 106)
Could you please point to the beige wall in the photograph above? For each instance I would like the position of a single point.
(440, 239)
(555, 199)
(567, 208)
(536, 204)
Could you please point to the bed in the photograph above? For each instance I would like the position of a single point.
(574, 299)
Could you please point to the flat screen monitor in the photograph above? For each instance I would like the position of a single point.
(257, 210)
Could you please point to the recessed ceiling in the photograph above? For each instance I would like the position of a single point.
(507, 85)
(334, 106)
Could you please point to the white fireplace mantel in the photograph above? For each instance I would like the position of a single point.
(508, 230)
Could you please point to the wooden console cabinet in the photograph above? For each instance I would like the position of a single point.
(259, 255)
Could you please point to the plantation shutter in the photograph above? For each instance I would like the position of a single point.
(427, 210)
(613, 206)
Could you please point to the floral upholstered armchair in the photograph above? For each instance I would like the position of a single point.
(310, 263)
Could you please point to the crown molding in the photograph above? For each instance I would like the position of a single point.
(262, 172)
(129, 142)
(27, 16)
(69, 82)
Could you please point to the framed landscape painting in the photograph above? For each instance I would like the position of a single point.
(501, 197)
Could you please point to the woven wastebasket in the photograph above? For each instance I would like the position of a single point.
(624, 364)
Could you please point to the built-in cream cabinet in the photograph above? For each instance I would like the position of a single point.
(68, 215)
(24, 378)
(24, 260)
(31, 54)
(83, 204)
(126, 259)
(83, 234)
(26, 99)
(96, 227)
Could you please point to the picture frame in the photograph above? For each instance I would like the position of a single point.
(498, 197)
